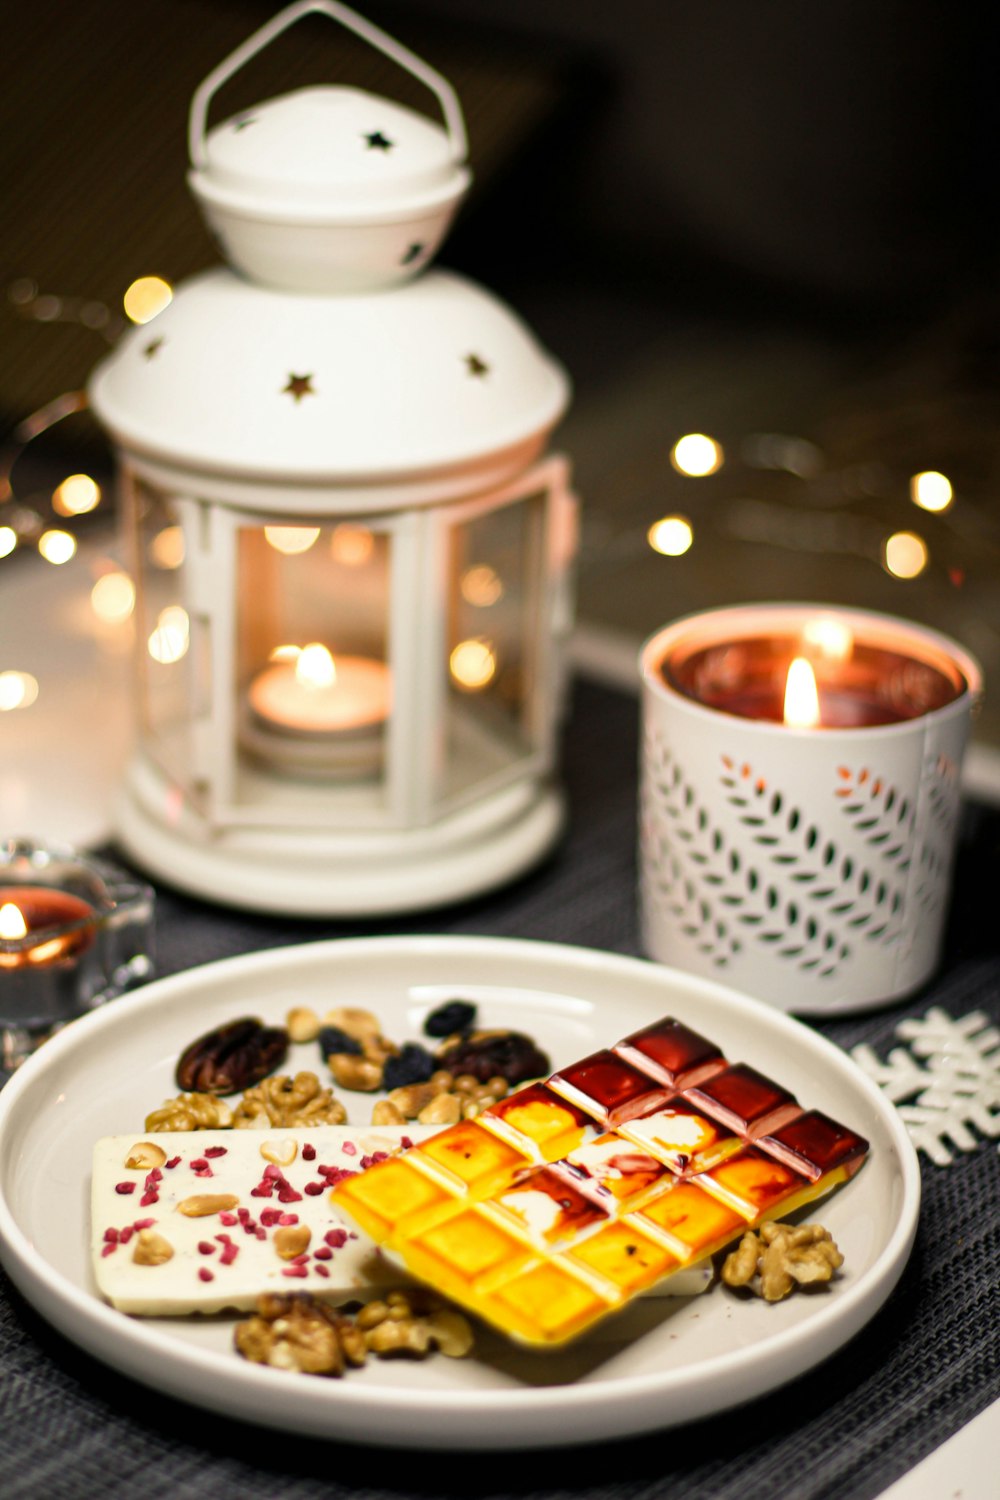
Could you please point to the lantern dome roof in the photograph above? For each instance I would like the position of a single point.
(233, 379)
(329, 189)
(329, 150)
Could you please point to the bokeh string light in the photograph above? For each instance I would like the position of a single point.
(22, 522)
(41, 519)
(830, 511)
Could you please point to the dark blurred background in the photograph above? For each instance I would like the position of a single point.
(745, 219)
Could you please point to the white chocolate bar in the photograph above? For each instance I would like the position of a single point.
(225, 1258)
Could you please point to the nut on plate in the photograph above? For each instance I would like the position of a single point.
(232, 1057)
(191, 1112)
(302, 1024)
(780, 1257)
(294, 1331)
(404, 1324)
(145, 1155)
(151, 1249)
(360, 1074)
(201, 1205)
(285, 1101)
(280, 1153)
(292, 1240)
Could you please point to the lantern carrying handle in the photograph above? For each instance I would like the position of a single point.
(348, 18)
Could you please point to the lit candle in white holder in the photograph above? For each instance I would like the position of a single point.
(312, 711)
(800, 791)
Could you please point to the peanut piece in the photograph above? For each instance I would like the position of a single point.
(386, 1113)
(144, 1155)
(450, 1331)
(281, 1153)
(291, 1240)
(203, 1204)
(445, 1109)
(302, 1024)
(358, 1073)
(408, 1336)
(359, 1024)
(411, 1098)
(151, 1249)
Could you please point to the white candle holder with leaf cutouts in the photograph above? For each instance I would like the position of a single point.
(806, 863)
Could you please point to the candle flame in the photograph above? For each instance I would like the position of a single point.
(801, 695)
(12, 923)
(315, 666)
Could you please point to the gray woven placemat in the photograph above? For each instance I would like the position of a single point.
(71, 1429)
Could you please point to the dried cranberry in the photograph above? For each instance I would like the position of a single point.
(412, 1064)
(452, 1016)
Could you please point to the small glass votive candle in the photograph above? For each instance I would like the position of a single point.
(799, 800)
(74, 931)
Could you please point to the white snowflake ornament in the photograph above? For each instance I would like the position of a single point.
(950, 1072)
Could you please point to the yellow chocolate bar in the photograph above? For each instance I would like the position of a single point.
(563, 1201)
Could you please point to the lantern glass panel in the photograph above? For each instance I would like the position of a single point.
(312, 676)
(491, 639)
(173, 644)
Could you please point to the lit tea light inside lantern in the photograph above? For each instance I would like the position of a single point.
(318, 715)
(314, 692)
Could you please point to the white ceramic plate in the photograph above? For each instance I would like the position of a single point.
(661, 1362)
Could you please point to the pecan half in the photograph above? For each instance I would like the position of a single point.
(232, 1057)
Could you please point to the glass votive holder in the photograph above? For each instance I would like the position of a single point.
(75, 931)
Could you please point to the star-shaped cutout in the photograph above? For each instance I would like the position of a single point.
(413, 253)
(378, 142)
(152, 349)
(476, 367)
(298, 386)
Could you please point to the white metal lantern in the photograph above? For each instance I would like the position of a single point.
(353, 555)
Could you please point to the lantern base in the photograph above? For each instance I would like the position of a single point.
(309, 872)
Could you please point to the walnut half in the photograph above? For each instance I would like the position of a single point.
(296, 1332)
(191, 1112)
(781, 1257)
(283, 1102)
